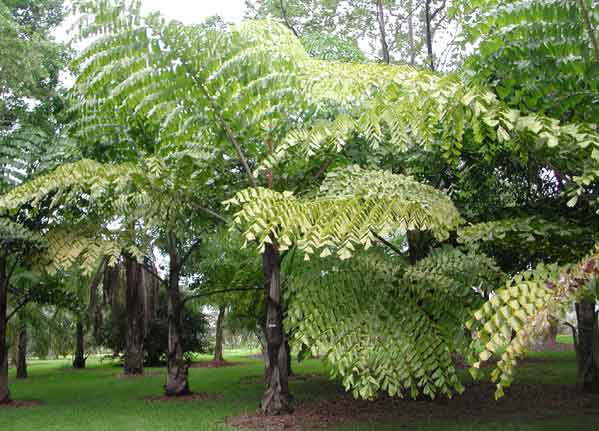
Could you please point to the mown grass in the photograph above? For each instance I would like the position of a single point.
(95, 400)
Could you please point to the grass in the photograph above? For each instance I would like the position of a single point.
(95, 400)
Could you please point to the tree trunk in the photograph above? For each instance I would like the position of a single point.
(587, 347)
(134, 343)
(276, 399)
(380, 15)
(79, 361)
(429, 34)
(411, 42)
(22, 352)
(550, 340)
(177, 382)
(218, 345)
(4, 392)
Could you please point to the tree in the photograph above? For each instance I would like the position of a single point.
(403, 31)
(25, 79)
(183, 85)
(229, 281)
(541, 58)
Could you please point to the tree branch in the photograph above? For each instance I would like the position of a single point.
(385, 242)
(230, 137)
(380, 15)
(286, 18)
(214, 214)
(15, 310)
(574, 332)
(589, 27)
(439, 9)
(187, 254)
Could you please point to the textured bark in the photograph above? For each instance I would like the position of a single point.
(79, 360)
(177, 382)
(134, 343)
(218, 344)
(380, 16)
(587, 347)
(276, 399)
(4, 392)
(22, 353)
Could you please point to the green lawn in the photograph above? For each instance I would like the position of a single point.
(95, 400)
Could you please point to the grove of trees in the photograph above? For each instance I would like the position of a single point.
(395, 209)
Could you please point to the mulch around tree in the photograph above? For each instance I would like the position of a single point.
(194, 396)
(21, 404)
(213, 364)
(476, 404)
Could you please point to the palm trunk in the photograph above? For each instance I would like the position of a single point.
(177, 382)
(79, 361)
(134, 343)
(587, 347)
(22, 353)
(276, 399)
(218, 345)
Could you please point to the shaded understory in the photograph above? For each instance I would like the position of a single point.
(94, 400)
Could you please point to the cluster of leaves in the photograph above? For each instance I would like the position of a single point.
(537, 54)
(517, 314)
(351, 206)
(385, 326)
(519, 242)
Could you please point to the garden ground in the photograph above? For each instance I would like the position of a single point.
(96, 400)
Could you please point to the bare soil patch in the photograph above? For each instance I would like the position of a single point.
(213, 364)
(21, 404)
(477, 404)
(194, 396)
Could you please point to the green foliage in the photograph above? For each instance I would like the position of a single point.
(194, 336)
(330, 47)
(517, 314)
(384, 326)
(350, 205)
(537, 54)
(195, 333)
(521, 242)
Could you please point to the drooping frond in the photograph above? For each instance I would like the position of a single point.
(522, 308)
(386, 327)
(350, 205)
(83, 247)
(520, 229)
(70, 181)
(255, 82)
(195, 85)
